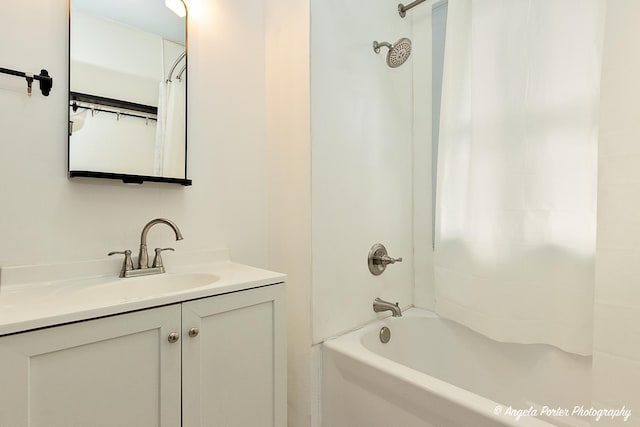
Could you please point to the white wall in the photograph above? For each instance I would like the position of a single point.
(340, 172)
(44, 217)
(289, 169)
(616, 358)
(361, 162)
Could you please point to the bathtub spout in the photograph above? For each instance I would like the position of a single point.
(381, 305)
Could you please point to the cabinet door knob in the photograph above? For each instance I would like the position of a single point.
(174, 337)
(193, 332)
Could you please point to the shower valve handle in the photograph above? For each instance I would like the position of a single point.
(378, 259)
(386, 259)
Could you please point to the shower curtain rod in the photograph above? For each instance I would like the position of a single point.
(402, 9)
(175, 64)
(179, 76)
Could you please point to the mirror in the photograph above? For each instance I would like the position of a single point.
(127, 83)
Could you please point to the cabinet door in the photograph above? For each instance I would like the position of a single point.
(113, 371)
(234, 370)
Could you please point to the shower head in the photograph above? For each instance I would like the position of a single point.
(398, 53)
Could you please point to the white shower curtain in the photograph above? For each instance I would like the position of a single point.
(517, 169)
(170, 130)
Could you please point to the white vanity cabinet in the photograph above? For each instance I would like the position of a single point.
(216, 361)
(114, 371)
(234, 369)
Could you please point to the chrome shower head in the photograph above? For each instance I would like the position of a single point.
(398, 53)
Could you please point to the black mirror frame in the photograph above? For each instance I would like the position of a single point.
(126, 178)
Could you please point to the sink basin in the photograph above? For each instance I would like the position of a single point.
(147, 286)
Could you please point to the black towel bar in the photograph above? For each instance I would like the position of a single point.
(46, 81)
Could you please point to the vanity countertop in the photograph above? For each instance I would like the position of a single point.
(38, 296)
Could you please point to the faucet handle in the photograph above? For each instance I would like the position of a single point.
(127, 265)
(386, 259)
(378, 259)
(157, 260)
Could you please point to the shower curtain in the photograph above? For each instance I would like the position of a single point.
(517, 169)
(170, 130)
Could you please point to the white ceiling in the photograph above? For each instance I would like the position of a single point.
(148, 15)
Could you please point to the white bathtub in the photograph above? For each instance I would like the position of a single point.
(434, 372)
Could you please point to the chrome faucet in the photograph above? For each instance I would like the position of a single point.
(157, 267)
(143, 256)
(381, 305)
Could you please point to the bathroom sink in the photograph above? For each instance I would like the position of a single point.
(148, 286)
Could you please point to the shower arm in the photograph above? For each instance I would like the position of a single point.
(175, 64)
(402, 9)
(377, 45)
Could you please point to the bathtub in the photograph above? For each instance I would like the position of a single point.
(434, 372)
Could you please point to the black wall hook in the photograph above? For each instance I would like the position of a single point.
(45, 80)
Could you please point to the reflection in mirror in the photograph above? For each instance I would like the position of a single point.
(127, 100)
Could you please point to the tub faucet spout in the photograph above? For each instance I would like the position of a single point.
(381, 305)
